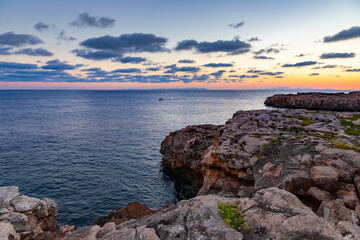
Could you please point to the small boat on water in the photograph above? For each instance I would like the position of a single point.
(161, 99)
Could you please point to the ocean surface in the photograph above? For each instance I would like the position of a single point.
(94, 151)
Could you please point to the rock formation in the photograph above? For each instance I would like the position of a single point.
(324, 101)
(294, 174)
(23, 217)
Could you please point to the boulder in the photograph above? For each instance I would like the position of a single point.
(7, 232)
(325, 177)
(335, 211)
(7, 194)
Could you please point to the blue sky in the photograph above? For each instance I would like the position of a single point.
(290, 33)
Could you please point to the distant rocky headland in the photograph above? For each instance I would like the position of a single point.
(317, 100)
(289, 174)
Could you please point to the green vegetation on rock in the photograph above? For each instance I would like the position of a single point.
(350, 127)
(330, 136)
(347, 147)
(232, 217)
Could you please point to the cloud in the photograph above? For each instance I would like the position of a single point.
(267, 51)
(85, 20)
(263, 57)
(255, 71)
(18, 40)
(14, 65)
(300, 64)
(353, 70)
(300, 55)
(350, 33)
(218, 74)
(125, 43)
(62, 36)
(96, 55)
(245, 76)
(234, 46)
(329, 66)
(173, 69)
(337, 55)
(237, 25)
(58, 65)
(153, 69)
(254, 39)
(130, 60)
(5, 50)
(186, 61)
(314, 74)
(40, 26)
(271, 73)
(127, 70)
(34, 52)
(216, 65)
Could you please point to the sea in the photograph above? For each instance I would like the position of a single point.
(95, 151)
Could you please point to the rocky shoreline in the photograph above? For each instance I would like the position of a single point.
(317, 101)
(294, 174)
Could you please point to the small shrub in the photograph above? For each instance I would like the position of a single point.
(330, 136)
(233, 217)
(255, 136)
(350, 127)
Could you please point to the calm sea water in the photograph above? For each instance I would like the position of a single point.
(94, 151)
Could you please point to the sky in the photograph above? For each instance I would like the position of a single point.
(229, 44)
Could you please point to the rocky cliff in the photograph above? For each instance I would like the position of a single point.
(324, 101)
(293, 174)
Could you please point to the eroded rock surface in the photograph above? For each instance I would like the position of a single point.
(271, 214)
(24, 217)
(325, 101)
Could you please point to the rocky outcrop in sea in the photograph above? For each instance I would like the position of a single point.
(292, 174)
(317, 100)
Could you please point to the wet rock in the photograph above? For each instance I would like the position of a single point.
(326, 101)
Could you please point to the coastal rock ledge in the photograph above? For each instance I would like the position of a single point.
(315, 100)
(294, 174)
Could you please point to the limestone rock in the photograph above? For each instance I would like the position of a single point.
(84, 233)
(325, 177)
(7, 194)
(7, 231)
(25, 203)
(326, 101)
(335, 211)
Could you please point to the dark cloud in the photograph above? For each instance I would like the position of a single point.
(186, 61)
(218, 74)
(329, 66)
(337, 55)
(245, 76)
(353, 70)
(300, 55)
(5, 50)
(96, 55)
(237, 25)
(116, 46)
(153, 69)
(255, 71)
(62, 36)
(300, 64)
(254, 39)
(85, 20)
(58, 65)
(353, 32)
(18, 40)
(216, 65)
(40, 26)
(263, 57)
(173, 69)
(267, 51)
(233, 46)
(314, 74)
(127, 70)
(14, 65)
(130, 60)
(271, 73)
(34, 52)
